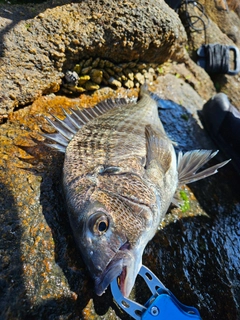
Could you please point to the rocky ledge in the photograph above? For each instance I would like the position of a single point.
(37, 51)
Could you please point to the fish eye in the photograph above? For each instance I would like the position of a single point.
(102, 226)
(98, 223)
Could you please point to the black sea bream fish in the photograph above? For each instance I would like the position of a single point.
(120, 175)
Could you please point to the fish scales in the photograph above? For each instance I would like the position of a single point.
(113, 136)
(120, 175)
(129, 186)
(124, 211)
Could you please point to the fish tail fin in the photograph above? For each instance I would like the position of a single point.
(190, 162)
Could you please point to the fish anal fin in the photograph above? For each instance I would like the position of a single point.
(190, 162)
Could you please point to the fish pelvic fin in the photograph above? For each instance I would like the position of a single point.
(190, 162)
(67, 128)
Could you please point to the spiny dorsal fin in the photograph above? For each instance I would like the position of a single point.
(67, 128)
(190, 162)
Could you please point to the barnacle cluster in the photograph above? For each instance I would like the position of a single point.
(91, 73)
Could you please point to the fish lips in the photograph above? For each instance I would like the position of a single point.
(123, 265)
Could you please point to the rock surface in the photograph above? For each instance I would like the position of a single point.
(222, 27)
(196, 251)
(37, 50)
(42, 274)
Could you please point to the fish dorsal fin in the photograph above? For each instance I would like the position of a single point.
(158, 148)
(190, 162)
(67, 128)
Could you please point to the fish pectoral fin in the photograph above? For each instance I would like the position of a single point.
(110, 170)
(190, 162)
(158, 148)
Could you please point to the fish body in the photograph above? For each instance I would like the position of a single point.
(120, 175)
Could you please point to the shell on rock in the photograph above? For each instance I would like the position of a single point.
(90, 74)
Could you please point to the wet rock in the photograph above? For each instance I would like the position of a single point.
(196, 254)
(194, 248)
(37, 51)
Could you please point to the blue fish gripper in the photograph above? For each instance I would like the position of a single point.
(162, 305)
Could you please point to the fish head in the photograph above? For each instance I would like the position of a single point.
(111, 233)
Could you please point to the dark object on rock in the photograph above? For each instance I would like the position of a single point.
(174, 4)
(222, 121)
(71, 77)
(215, 58)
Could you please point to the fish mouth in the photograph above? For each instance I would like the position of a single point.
(120, 266)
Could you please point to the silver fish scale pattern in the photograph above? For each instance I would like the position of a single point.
(114, 136)
(90, 149)
(123, 213)
(129, 186)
